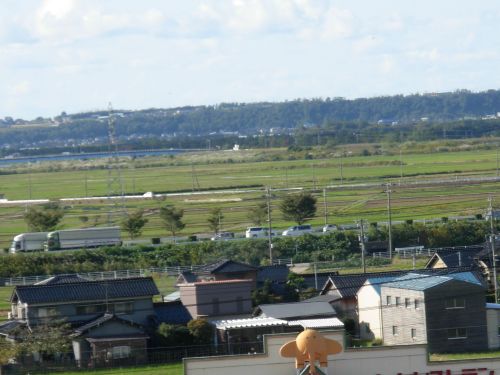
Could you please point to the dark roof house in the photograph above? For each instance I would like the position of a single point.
(295, 310)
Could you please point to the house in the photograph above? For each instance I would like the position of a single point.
(446, 312)
(109, 338)
(217, 298)
(341, 291)
(277, 318)
(80, 300)
(222, 270)
(370, 307)
(477, 257)
(466, 256)
(295, 310)
(493, 324)
(106, 316)
(276, 274)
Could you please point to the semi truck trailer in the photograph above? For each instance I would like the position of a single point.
(83, 238)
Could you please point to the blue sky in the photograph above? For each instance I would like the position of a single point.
(77, 55)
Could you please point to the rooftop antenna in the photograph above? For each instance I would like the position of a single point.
(116, 200)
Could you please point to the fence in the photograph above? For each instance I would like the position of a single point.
(426, 253)
(109, 358)
(120, 274)
(103, 275)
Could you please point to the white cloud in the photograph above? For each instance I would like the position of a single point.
(20, 88)
(337, 23)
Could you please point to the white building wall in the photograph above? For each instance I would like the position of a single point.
(493, 322)
(370, 320)
(367, 361)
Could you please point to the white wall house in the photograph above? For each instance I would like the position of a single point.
(369, 306)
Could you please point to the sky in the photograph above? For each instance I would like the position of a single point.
(78, 55)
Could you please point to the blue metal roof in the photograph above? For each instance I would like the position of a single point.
(416, 281)
(376, 282)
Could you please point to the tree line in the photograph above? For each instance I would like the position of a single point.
(342, 247)
(181, 126)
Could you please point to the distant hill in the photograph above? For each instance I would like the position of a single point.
(249, 119)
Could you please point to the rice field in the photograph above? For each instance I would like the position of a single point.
(343, 204)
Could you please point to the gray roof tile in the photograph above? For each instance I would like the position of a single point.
(86, 291)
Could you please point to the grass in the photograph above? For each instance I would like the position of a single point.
(5, 293)
(344, 205)
(170, 369)
(462, 356)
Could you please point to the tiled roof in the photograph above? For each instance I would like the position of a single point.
(188, 277)
(62, 279)
(225, 266)
(465, 257)
(295, 310)
(86, 291)
(172, 313)
(348, 285)
(100, 321)
(219, 282)
(322, 277)
(276, 273)
(322, 298)
(7, 327)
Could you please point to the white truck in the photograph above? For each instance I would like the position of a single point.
(25, 242)
(83, 238)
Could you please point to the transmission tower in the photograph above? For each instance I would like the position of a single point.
(116, 199)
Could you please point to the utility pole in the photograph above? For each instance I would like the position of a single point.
(269, 224)
(325, 206)
(86, 185)
(497, 163)
(401, 165)
(389, 213)
(362, 243)
(314, 176)
(493, 252)
(220, 222)
(29, 186)
(286, 177)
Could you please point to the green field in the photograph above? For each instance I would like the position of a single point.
(170, 369)
(239, 170)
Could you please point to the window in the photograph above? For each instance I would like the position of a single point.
(407, 303)
(455, 303)
(498, 330)
(388, 300)
(413, 333)
(123, 308)
(120, 352)
(457, 333)
(417, 303)
(398, 301)
(395, 330)
(90, 309)
(47, 312)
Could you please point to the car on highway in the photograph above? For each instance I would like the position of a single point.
(329, 228)
(259, 232)
(298, 230)
(223, 236)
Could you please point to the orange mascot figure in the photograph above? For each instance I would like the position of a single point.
(310, 346)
